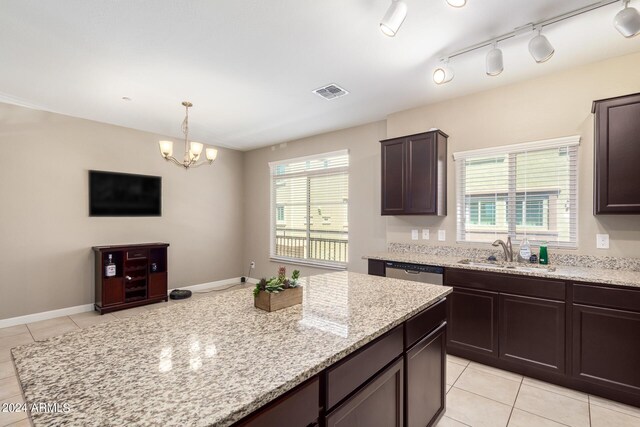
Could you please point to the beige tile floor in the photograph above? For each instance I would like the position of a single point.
(477, 395)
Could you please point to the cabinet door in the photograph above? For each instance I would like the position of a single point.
(422, 166)
(532, 332)
(298, 408)
(617, 155)
(112, 291)
(472, 319)
(393, 197)
(606, 347)
(157, 285)
(377, 404)
(425, 379)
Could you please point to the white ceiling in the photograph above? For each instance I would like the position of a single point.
(249, 66)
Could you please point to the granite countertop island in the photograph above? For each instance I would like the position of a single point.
(213, 360)
(595, 273)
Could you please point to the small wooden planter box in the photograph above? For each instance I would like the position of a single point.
(269, 301)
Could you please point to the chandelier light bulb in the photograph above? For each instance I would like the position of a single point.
(192, 150)
(394, 18)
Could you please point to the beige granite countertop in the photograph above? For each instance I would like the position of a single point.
(210, 361)
(583, 274)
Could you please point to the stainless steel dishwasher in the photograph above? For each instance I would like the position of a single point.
(416, 272)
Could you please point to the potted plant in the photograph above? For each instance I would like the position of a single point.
(278, 292)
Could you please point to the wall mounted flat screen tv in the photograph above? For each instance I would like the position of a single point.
(123, 194)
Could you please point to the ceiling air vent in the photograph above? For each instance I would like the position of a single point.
(331, 91)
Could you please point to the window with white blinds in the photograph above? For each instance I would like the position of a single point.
(309, 209)
(523, 190)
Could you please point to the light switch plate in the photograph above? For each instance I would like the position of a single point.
(425, 234)
(602, 241)
(442, 235)
(414, 234)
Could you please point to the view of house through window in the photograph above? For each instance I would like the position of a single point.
(309, 199)
(521, 190)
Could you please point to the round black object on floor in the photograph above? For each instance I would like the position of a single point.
(179, 294)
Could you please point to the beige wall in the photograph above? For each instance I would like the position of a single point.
(46, 262)
(366, 226)
(548, 107)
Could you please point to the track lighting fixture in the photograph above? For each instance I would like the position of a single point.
(627, 21)
(443, 73)
(540, 48)
(394, 18)
(456, 3)
(495, 64)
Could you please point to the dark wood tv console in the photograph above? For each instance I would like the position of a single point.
(140, 277)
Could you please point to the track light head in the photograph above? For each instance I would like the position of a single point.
(495, 64)
(457, 3)
(443, 73)
(394, 18)
(627, 21)
(540, 48)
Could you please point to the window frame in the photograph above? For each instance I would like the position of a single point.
(333, 265)
(569, 144)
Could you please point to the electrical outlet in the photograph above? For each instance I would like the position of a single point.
(442, 235)
(425, 234)
(602, 241)
(414, 234)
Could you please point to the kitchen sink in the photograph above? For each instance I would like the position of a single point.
(531, 268)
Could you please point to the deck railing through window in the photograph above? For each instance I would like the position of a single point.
(330, 248)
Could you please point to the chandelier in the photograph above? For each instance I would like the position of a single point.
(192, 150)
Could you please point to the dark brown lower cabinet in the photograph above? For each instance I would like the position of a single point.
(300, 407)
(473, 321)
(532, 331)
(425, 379)
(378, 404)
(606, 347)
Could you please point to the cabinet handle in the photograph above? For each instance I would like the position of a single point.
(128, 277)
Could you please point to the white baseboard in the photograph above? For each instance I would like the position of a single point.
(46, 315)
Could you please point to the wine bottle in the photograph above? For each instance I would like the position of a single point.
(110, 267)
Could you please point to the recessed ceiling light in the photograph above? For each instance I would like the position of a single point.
(126, 98)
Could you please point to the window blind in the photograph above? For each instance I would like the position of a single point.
(309, 209)
(523, 190)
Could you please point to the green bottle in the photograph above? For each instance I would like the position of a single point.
(544, 255)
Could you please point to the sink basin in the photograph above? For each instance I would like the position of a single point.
(531, 268)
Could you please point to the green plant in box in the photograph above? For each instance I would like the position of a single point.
(277, 283)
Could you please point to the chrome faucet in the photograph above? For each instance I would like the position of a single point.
(507, 248)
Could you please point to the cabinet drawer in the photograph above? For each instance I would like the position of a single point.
(379, 403)
(136, 254)
(625, 299)
(499, 282)
(424, 322)
(347, 375)
(299, 408)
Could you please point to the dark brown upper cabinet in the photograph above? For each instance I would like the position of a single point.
(617, 155)
(414, 174)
